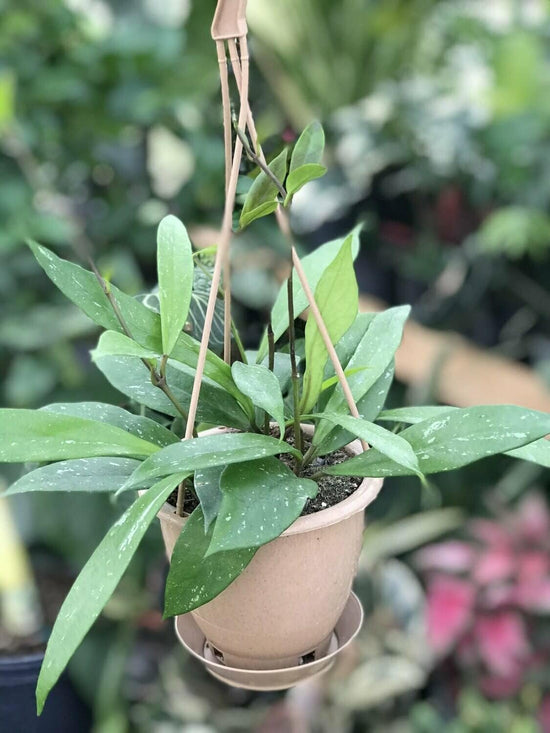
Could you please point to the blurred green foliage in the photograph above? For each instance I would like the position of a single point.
(438, 120)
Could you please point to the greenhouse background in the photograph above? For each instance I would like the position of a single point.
(437, 117)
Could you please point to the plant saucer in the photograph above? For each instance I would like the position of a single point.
(345, 631)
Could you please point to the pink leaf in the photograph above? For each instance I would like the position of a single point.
(533, 518)
(501, 687)
(494, 565)
(453, 556)
(488, 532)
(533, 565)
(533, 594)
(502, 642)
(450, 603)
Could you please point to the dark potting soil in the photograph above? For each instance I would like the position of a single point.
(332, 489)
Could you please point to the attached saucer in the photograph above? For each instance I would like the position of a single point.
(345, 631)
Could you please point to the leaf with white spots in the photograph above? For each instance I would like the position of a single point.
(194, 579)
(97, 582)
(81, 474)
(455, 439)
(138, 425)
(38, 435)
(375, 351)
(206, 482)
(260, 500)
(389, 444)
(262, 386)
(175, 274)
(208, 451)
(413, 415)
(537, 452)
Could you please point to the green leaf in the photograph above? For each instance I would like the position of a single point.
(131, 377)
(113, 343)
(389, 444)
(328, 383)
(207, 488)
(537, 452)
(81, 474)
(262, 386)
(376, 351)
(258, 212)
(96, 583)
(143, 427)
(455, 439)
(413, 415)
(36, 435)
(260, 500)
(336, 296)
(314, 266)
(175, 277)
(194, 579)
(368, 406)
(84, 290)
(207, 451)
(302, 175)
(263, 193)
(309, 147)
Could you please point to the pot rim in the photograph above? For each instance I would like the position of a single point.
(365, 494)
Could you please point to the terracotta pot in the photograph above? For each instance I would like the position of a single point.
(286, 603)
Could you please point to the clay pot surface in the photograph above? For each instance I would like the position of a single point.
(286, 602)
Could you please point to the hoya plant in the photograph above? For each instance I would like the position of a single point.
(243, 487)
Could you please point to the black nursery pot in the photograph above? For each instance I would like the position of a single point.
(64, 711)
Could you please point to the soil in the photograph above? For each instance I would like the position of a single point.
(332, 489)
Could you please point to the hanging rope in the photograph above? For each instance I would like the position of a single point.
(229, 26)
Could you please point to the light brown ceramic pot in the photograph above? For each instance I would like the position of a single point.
(286, 603)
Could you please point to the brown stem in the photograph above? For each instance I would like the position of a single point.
(294, 370)
(259, 162)
(180, 502)
(271, 346)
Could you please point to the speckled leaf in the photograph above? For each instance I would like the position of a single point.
(336, 296)
(175, 277)
(260, 500)
(537, 452)
(262, 386)
(132, 378)
(368, 406)
(314, 265)
(207, 488)
(36, 435)
(194, 579)
(456, 439)
(208, 451)
(138, 425)
(96, 583)
(80, 474)
(375, 351)
(82, 287)
(389, 444)
(413, 415)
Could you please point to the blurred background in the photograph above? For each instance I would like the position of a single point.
(437, 115)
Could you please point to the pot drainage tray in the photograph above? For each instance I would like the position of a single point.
(346, 629)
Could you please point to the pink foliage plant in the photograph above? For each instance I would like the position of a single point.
(488, 596)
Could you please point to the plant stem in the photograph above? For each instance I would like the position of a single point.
(294, 371)
(259, 162)
(309, 456)
(271, 364)
(180, 502)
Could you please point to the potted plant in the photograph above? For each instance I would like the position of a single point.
(263, 516)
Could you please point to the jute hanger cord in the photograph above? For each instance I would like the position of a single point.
(230, 26)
